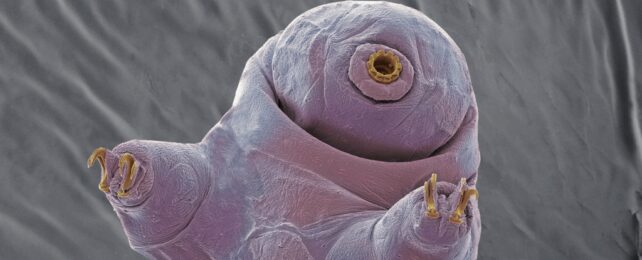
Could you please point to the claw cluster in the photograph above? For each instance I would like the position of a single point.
(384, 66)
(127, 167)
(465, 193)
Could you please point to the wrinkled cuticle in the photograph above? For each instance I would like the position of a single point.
(177, 233)
(121, 202)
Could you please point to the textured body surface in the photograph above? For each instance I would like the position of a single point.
(307, 166)
(557, 85)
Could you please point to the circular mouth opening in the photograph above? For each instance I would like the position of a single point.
(384, 67)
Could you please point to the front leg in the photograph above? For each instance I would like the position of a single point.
(437, 221)
(154, 187)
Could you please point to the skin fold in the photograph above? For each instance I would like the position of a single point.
(317, 158)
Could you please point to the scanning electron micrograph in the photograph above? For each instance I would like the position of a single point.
(352, 135)
(320, 129)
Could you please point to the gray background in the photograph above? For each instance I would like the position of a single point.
(557, 82)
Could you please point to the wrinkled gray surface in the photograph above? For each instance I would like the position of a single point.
(558, 86)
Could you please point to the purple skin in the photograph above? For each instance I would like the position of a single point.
(315, 160)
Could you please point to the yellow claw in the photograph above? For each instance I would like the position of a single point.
(466, 193)
(128, 175)
(99, 154)
(429, 190)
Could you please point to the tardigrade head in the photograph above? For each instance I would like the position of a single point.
(374, 79)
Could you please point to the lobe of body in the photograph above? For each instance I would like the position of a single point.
(352, 135)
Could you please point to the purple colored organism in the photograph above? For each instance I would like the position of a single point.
(352, 135)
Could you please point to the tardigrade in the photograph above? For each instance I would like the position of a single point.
(352, 135)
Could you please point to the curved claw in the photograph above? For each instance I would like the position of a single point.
(465, 194)
(128, 175)
(429, 197)
(99, 154)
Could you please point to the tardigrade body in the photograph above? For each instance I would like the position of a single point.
(352, 135)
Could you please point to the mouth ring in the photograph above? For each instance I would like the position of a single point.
(384, 66)
(380, 72)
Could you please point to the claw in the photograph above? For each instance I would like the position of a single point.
(128, 175)
(429, 191)
(466, 193)
(99, 154)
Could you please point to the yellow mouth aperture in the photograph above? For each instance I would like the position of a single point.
(384, 66)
